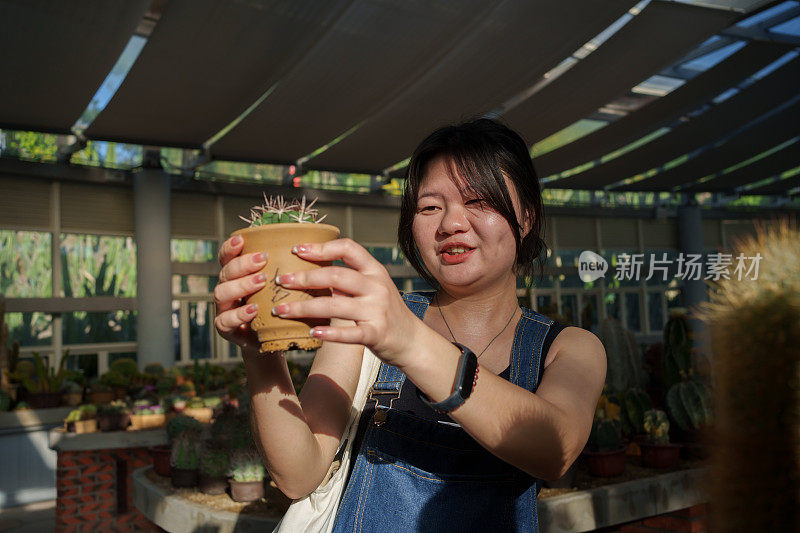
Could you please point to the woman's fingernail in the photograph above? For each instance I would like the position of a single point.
(260, 278)
(314, 332)
(251, 308)
(260, 258)
(280, 310)
(284, 279)
(300, 248)
(236, 240)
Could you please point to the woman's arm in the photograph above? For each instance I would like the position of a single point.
(298, 437)
(542, 433)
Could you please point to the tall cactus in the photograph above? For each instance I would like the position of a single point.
(677, 353)
(635, 403)
(755, 335)
(625, 368)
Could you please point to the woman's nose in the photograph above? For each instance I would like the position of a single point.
(453, 220)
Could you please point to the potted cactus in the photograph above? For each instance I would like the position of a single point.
(114, 416)
(118, 383)
(82, 419)
(634, 403)
(196, 408)
(147, 416)
(99, 393)
(276, 227)
(247, 476)
(71, 393)
(184, 460)
(605, 451)
(657, 451)
(43, 385)
(214, 463)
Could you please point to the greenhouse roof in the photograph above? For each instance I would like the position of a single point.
(687, 96)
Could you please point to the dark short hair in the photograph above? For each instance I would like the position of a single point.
(482, 151)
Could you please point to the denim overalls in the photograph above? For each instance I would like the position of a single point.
(420, 475)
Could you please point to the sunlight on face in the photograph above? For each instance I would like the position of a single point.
(449, 212)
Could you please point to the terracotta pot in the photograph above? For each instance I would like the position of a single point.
(660, 455)
(183, 477)
(113, 421)
(72, 399)
(161, 455)
(247, 491)
(274, 333)
(100, 397)
(566, 481)
(43, 400)
(213, 485)
(606, 464)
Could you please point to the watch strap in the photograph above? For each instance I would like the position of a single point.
(462, 386)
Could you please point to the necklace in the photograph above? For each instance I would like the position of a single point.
(454, 337)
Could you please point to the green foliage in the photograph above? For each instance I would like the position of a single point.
(689, 404)
(196, 403)
(5, 401)
(115, 407)
(246, 465)
(73, 416)
(656, 425)
(214, 462)
(115, 379)
(44, 379)
(677, 351)
(125, 366)
(25, 268)
(180, 424)
(88, 411)
(276, 210)
(185, 451)
(154, 369)
(212, 401)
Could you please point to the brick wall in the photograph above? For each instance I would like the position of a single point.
(692, 520)
(94, 490)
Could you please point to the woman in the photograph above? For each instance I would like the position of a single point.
(471, 222)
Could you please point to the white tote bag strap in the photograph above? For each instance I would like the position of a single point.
(317, 511)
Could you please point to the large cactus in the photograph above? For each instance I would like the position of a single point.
(635, 402)
(755, 337)
(677, 352)
(689, 404)
(625, 368)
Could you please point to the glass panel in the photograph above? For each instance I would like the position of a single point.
(85, 363)
(185, 284)
(98, 265)
(569, 308)
(176, 327)
(399, 282)
(420, 284)
(524, 301)
(545, 304)
(199, 332)
(624, 271)
(613, 305)
(82, 327)
(30, 329)
(655, 263)
(590, 312)
(193, 250)
(633, 311)
(655, 312)
(25, 264)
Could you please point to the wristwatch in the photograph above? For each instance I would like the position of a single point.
(462, 386)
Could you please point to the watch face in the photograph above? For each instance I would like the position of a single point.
(468, 376)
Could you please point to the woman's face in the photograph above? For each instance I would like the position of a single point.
(448, 213)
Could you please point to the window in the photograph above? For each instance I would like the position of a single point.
(25, 264)
(193, 251)
(98, 265)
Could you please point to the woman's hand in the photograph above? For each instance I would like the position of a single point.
(238, 279)
(364, 293)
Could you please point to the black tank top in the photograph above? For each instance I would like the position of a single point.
(410, 403)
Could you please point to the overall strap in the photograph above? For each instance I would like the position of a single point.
(390, 378)
(527, 349)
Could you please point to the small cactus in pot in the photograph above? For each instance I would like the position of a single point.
(276, 227)
(185, 460)
(214, 466)
(605, 450)
(247, 476)
(657, 451)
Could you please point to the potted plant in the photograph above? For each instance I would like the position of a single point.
(99, 393)
(82, 420)
(119, 383)
(196, 408)
(5, 401)
(214, 463)
(276, 227)
(161, 454)
(657, 451)
(605, 451)
(114, 416)
(247, 476)
(71, 393)
(634, 403)
(44, 386)
(147, 416)
(184, 460)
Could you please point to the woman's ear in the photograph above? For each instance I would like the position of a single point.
(527, 223)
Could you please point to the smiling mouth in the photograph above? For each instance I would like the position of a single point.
(456, 250)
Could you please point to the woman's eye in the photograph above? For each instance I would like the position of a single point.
(427, 207)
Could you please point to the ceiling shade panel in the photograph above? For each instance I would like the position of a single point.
(749, 143)
(205, 63)
(661, 111)
(507, 52)
(641, 48)
(369, 56)
(56, 55)
(720, 120)
(778, 187)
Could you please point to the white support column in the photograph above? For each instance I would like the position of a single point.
(690, 237)
(57, 281)
(151, 190)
